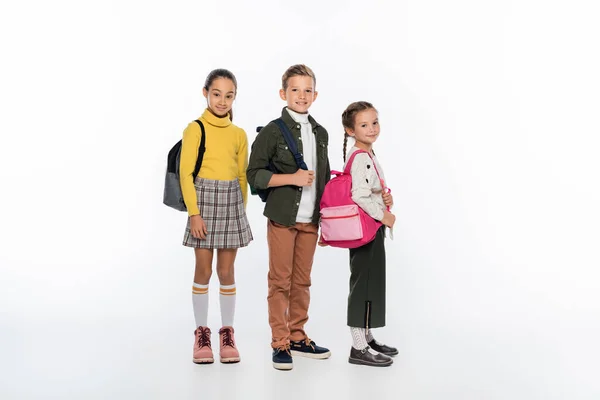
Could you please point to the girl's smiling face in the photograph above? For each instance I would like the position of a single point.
(220, 96)
(366, 127)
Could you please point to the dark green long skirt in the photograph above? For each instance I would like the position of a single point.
(366, 302)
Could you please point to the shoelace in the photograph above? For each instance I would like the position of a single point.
(204, 337)
(286, 348)
(227, 339)
(309, 342)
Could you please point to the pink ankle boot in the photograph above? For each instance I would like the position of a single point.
(229, 353)
(202, 349)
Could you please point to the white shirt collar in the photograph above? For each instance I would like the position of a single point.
(302, 118)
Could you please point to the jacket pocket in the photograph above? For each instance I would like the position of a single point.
(284, 156)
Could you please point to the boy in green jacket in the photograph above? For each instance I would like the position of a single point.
(292, 210)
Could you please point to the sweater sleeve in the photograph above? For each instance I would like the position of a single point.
(243, 164)
(363, 180)
(187, 163)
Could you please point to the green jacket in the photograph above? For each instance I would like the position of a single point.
(270, 147)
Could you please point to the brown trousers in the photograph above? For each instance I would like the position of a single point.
(291, 252)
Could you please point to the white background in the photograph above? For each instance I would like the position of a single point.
(489, 114)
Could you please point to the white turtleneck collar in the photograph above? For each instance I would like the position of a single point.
(302, 118)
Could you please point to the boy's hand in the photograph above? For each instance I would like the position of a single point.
(303, 177)
(388, 200)
(388, 219)
(198, 227)
(321, 243)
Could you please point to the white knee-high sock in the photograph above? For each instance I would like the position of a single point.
(369, 335)
(200, 301)
(359, 340)
(227, 295)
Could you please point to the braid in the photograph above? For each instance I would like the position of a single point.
(345, 145)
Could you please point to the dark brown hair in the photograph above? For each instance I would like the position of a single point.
(349, 117)
(221, 73)
(297, 70)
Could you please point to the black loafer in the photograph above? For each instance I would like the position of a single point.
(364, 357)
(383, 349)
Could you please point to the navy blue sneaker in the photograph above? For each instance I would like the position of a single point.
(308, 348)
(282, 359)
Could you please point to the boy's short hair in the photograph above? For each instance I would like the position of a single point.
(297, 70)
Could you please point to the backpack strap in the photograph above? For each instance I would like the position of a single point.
(201, 150)
(289, 139)
(349, 166)
(351, 160)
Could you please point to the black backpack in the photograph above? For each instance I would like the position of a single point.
(291, 143)
(172, 195)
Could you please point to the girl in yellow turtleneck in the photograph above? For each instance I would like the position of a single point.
(216, 206)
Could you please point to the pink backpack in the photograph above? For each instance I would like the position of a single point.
(343, 223)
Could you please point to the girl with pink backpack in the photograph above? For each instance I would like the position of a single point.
(362, 219)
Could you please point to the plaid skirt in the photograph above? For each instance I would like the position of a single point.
(221, 206)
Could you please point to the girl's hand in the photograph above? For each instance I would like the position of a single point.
(198, 227)
(388, 200)
(388, 219)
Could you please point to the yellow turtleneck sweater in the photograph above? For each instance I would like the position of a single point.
(225, 159)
